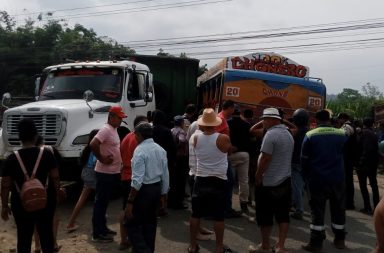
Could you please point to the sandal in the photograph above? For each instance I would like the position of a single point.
(206, 231)
(278, 250)
(258, 249)
(72, 228)
(227, 250)
(189, 250)
(203, 237)
(57, 248)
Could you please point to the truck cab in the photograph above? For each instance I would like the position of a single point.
(74, 98)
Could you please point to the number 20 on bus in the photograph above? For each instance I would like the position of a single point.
(232, 92)
(314, 102)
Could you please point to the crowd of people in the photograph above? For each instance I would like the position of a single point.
(271, 163)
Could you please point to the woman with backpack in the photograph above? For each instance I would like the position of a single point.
(34, 170)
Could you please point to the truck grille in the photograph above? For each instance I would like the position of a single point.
(48, 126)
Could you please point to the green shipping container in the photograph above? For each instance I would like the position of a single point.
(174, 80)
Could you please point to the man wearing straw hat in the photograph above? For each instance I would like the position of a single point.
(208, 198)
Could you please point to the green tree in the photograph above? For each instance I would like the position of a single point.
(26, 49)
(163, 53)
(372, 91)
(355, 104)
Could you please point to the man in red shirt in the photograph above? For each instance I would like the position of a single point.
(106, 147)
(127, 147)
(225, 114)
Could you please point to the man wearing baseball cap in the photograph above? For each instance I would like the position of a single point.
(106, 147)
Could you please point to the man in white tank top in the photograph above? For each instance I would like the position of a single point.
(208, 198)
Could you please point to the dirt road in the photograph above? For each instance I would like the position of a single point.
(172, 234)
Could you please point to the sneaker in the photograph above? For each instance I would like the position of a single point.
(110, 232)
(366, 211)
(252, 219)
(339, 244)
(102, 238)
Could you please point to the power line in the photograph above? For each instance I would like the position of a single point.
(81, 8)
(373, 42)
(141, 9)
(217, 57)
(362, 21)
(226, 44)
(269, 35)
(367, 43)
(303, 46)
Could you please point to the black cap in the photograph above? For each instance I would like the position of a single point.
(323, 115)
(178, 119)
(343, 115)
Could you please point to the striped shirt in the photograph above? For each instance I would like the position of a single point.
(277, 142)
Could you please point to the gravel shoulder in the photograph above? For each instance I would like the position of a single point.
(173, 231)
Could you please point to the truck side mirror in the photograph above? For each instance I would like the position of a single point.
(6, 99)
(88, 95)
(148, 97)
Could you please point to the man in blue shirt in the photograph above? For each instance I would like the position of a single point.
(323, 169)
(150, 181)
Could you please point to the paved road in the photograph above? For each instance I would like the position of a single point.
(173, 233)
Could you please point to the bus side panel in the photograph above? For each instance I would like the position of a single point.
(258, 94)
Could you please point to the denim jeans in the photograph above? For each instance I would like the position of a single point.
(297, 188)
(104, 188)
(141, 229)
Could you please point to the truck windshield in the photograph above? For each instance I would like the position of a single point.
(106, 84)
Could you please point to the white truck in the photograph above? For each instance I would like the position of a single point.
(72, 99)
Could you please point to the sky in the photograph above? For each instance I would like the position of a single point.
(348, 56)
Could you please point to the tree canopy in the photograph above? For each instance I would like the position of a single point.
(356, 104)
(25, 50)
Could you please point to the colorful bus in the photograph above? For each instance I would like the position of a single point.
(259, 80)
